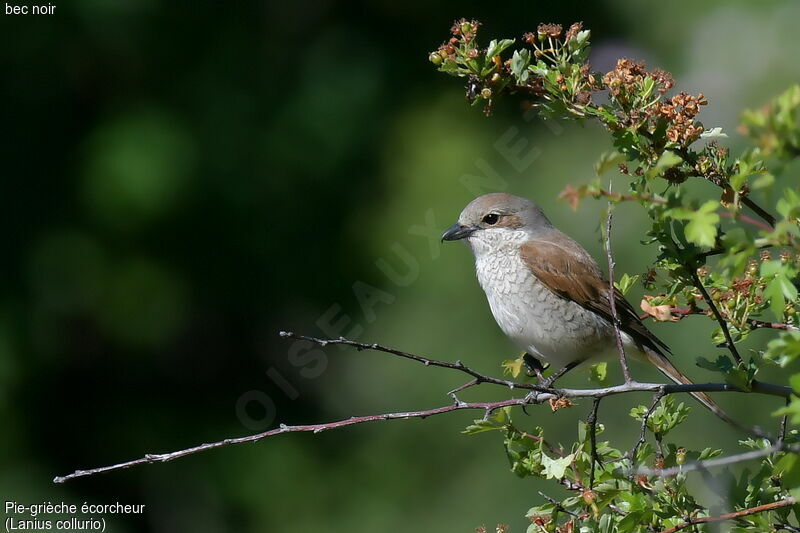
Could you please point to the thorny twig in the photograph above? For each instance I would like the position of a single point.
(555, 503)
(541, 395)
(643, 433)
(719, 461)
(734, 515)
(720, 320)
(611, 299)
(592, 423)
(679, 313)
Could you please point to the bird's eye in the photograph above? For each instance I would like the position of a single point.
(491, 218)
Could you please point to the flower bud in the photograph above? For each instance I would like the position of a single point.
(680, 456)
(486, 93)
(435, 58)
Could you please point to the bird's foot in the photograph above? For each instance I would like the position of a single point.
(535, 367)
(548, 382)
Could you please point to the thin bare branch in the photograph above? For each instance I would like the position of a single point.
(733, 516)
(643, 432)
(782, 427)
(547, 393)
(711, 463)
(648, 198)
(760, 211)
(757, 324)
(555, 503)
(309, 428)
(458, 365)
(537, 395)
(611, 299)
(679, 313)
(592, 423)
(720, 320)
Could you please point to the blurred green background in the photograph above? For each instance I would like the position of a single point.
(182, 180)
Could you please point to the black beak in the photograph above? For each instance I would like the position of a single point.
(457, 232)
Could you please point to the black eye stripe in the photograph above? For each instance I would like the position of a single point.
(491, 218)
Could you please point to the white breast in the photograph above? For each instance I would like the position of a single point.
(538, 321)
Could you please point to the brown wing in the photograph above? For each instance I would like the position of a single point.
(571, 273)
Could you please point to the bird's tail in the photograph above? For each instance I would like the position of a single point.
(666, 367)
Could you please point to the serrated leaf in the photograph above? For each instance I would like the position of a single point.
(784, 349)
(774, 293)
(499, 420)
(626, 282)
(764, 180)
(497, 47)
(709, 453)
(702, 226)
(792, 410)
(667, 160)
(599, 373)
(788, 468)
(738, 378)
(555, 468)
(513, 367)
(607, 161)
(714, 133)
(519, 64)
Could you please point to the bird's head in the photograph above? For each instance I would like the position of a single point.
(496, 220)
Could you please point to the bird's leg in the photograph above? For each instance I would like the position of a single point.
(552, 379)
(545, 382)
(534, 366)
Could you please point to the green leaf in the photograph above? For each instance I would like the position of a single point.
(714, 133)
(599, 373)
(667, 160)
(723, 363)
(780, 288)
(738, 378)
(497, 47)
(788, 468)
(665, 417)
(702, 226)
(789, 205)
(626, 282)
(555, 468)
(607, 161)
(787, 288)
(784, 349)
(764, 180)
(519, 64)
(499, 420)
(513, 366)
(792, 410)
(647, 87)
(709, 453)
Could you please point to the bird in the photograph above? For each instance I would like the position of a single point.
(547, 293)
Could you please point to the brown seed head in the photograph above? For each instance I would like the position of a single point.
(549, 30)
(573, 31)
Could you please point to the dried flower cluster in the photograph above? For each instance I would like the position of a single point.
(624, 83)
(680, 114)
(638, 93)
